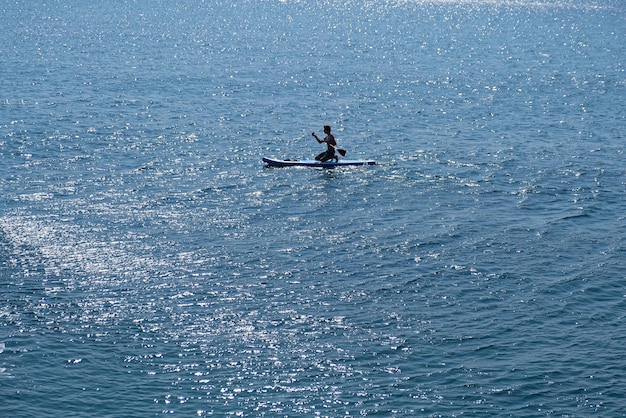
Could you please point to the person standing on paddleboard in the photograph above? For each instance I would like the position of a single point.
(331, 144)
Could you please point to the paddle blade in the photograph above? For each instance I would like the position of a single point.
(342, 152)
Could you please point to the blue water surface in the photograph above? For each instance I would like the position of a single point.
(151, 264)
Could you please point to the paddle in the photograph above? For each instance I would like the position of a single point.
(341, 152)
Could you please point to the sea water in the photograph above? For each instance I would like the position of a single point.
(151, 264)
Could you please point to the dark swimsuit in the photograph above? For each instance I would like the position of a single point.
(326, 155)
